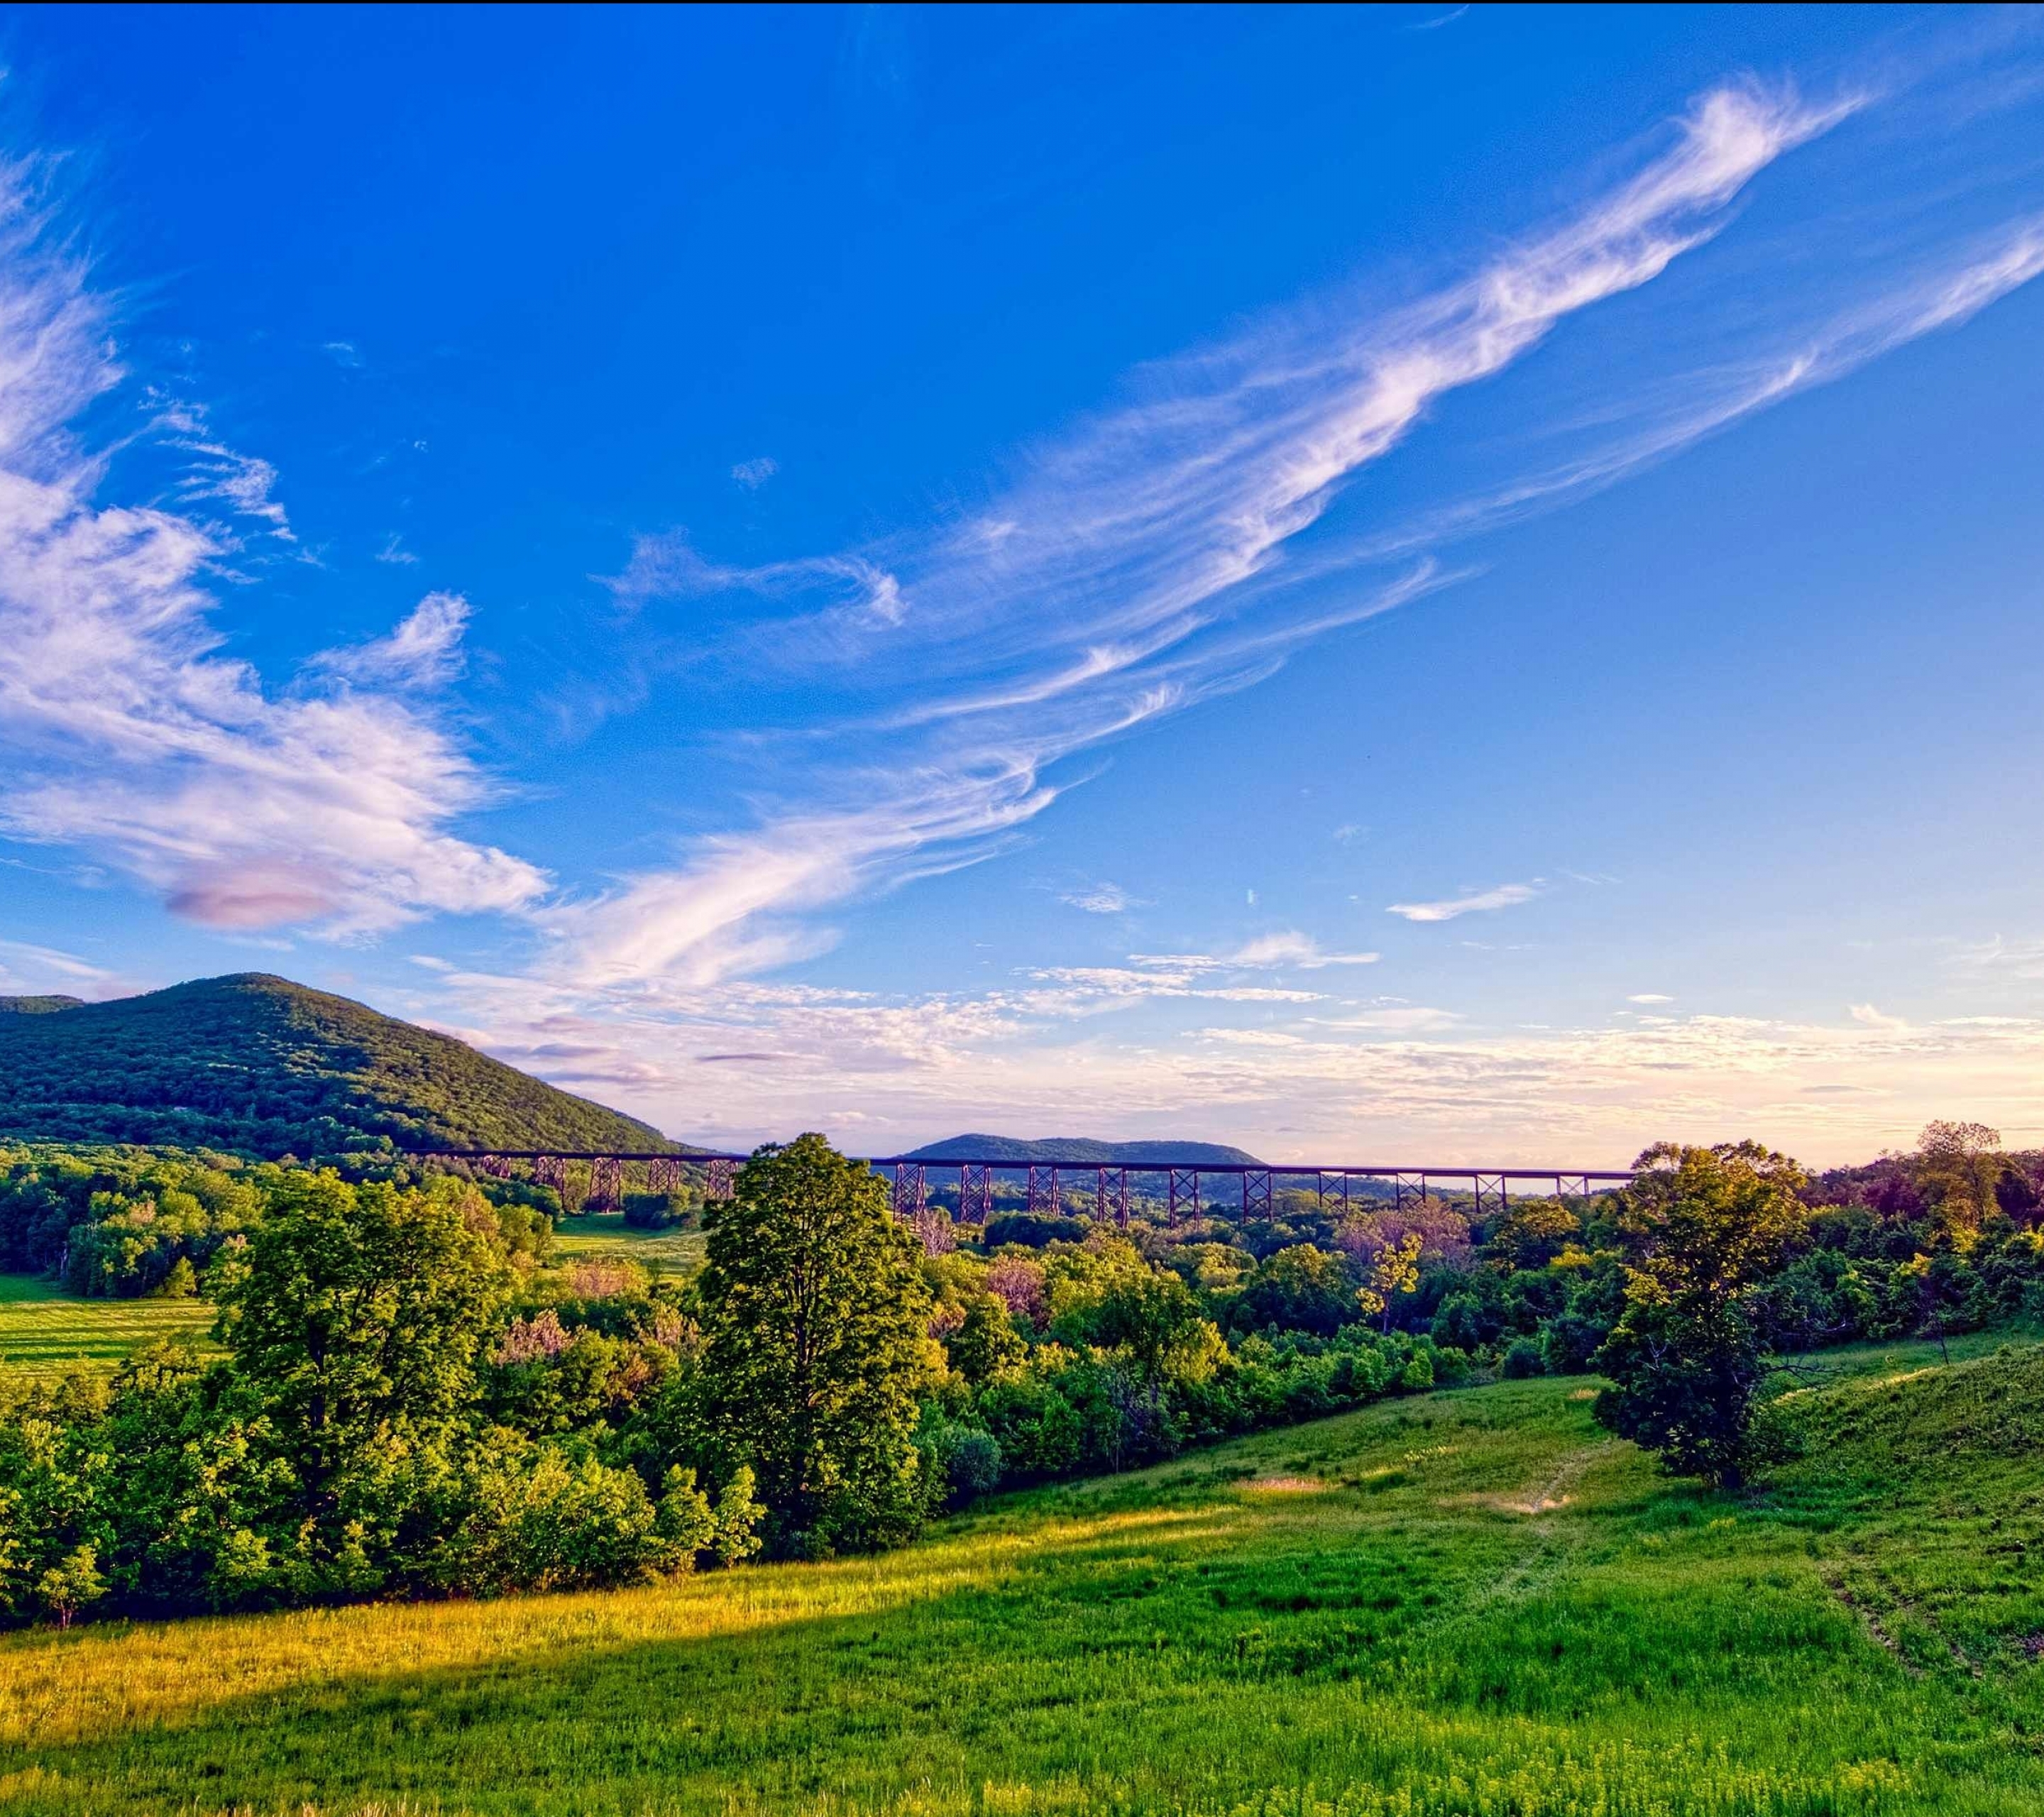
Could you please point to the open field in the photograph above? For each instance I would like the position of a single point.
(663, 1252)
(1466, 1603)
(43, 1329)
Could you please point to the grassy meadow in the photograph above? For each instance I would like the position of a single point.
(1465, 1603)
(670, 1252)
(45, 1331)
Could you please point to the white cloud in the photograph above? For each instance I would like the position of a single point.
(1345, 832)
(125, 728)
(394, 552)
(1648, 996)
(1505, 896)
(1866, 1013)
(215, 473)
(929, 1066)
(1291, 948)
(2018, 959)
(1412, 1019)
(423, 652)
(49, 960)
(1100, 898)
(752, 475)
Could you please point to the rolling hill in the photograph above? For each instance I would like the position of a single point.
(38, 1006)
(1475, 1604)
(1083, 1149)
(264, 1066)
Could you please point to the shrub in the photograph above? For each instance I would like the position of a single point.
(1523, 1358)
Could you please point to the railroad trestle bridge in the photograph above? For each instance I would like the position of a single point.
(1046, 1183)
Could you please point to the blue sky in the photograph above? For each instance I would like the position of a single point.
(1420, 585)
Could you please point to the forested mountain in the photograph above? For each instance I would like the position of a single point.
(1082, 1149)
(38, 1006)
(260, 1065)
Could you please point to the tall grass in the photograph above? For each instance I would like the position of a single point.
(1460, 1605)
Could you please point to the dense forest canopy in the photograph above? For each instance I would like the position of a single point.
(263, 1066)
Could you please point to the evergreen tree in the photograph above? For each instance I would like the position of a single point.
(816, 1349)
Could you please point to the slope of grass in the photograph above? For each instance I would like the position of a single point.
(265, 1066)
(1462, 1604)
(44, 1330)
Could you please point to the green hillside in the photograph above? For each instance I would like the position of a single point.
(1084, 1149)
(265, 1066)
(38, 1006)
(1467, 1604)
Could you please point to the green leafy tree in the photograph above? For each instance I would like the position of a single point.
(1957, 1167)
(1394, 1270)
(1532, 1233)
(72, 1583)
(1704, 1229)
(357, 1325)
(986, 1341)
(1301, 1288)
(816, 1349)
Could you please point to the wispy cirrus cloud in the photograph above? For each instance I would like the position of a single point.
(127, 728)
(1477, 902)
(1099, 899)
(213, 473)
(423, 652)
(1130, 570)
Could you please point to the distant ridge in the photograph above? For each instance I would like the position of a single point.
(1085, 1149)
(38, 1006)
(264, 1066)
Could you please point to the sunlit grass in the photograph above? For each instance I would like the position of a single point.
(44, 1331)
(662, 1252)
(1470, 1602)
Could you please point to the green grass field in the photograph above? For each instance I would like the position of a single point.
(1469, 1603)
(661, 1252)
(45, 1331)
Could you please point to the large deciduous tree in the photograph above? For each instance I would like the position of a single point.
(357, 1325)
(1958, 1166)
(1704, 1229)
(816, 1349)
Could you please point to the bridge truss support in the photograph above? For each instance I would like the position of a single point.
(606, 1184)
(1493, 1194)
(1256, 1206)
(717, 1178)
(912, 1188)
(975, 1192)
(1113, 1195)
(1043, 1193)
(551, 1170)
(663, 1175)
(1183, 1198)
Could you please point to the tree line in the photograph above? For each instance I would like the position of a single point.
(414, 1397)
